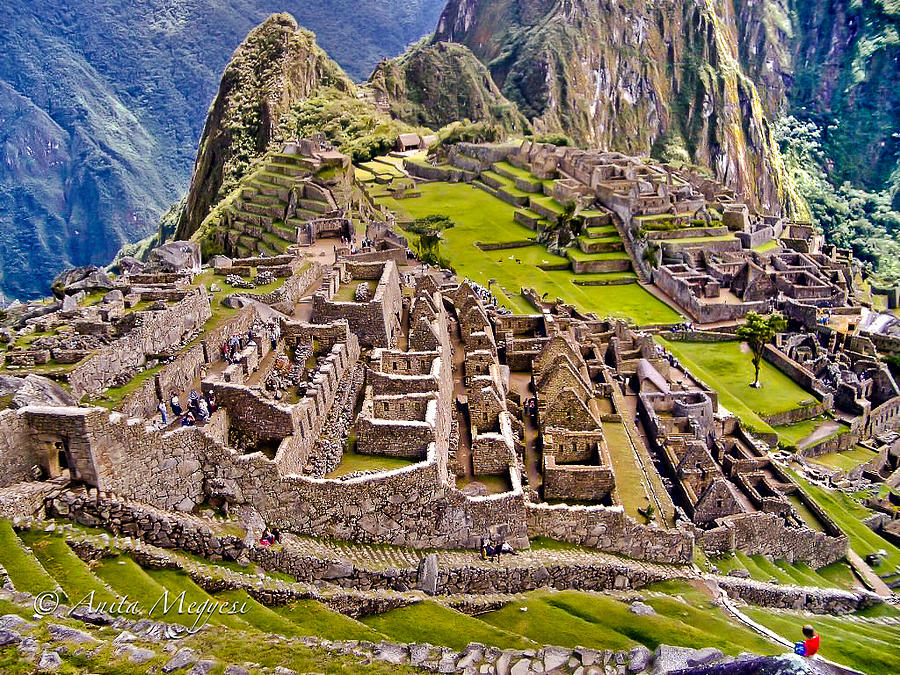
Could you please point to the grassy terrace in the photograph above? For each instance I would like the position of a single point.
(848, 514)
(871, 648)
(347, 292)
(351, 462)
(629, 477)
(592, 620)
(794, 434)
(847, 460)
(726, 367)
(479, 217)
(836, 575)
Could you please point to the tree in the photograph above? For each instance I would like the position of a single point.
(429, 229)
(757, 333)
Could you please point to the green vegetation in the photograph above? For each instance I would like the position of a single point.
(792, 434)
(312, 618)
(23, 569)
(572, 618)
(869, 647)
(468, 132)
(439, 625)
(724, 366)
(479, 217)
(758, 332)
(837, 575)
(436, 84)
(851, 216)
(847, 460)
(630, 481)
(848, 514)
(351, 462)
(73, 575)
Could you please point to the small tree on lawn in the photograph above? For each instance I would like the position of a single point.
(757, 333)
(429, 230)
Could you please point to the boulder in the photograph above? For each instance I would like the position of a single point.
(68, 277)
(114, 297)
(639, 659)
(428, 574)
(49, 662)
(641, 609)
(130, 265)
(37, 390)
(95, 281)
(668, 659)
(220, 261)
(176, 256)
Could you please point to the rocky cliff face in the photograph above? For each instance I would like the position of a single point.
(277, 65)
(432, 85)
(636, 76)
(836, 63)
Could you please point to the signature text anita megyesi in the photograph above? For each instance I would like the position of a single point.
(165, 606)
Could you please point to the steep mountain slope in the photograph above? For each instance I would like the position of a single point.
(433, 85)
(631, 76)
(116, 92)
(835, 63)
(277, 65)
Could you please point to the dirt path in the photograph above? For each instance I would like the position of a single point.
(823, 431)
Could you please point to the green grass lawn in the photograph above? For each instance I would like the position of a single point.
(479, 217)
(352, 462)
(313, 618)
(847, 460)
(176, 582)
(24, 570)
(439, 625)
(629, 477)
(868, 647)
(573, 618)
(728, 369)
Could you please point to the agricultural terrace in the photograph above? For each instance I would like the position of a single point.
(480, 217)
(727, 368)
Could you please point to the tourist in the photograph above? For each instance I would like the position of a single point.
(161, 409)
(267, 539)
(810, 645)
(176, 405)
(203, 410)
(188, 420)
(211, 401)
(193, 403)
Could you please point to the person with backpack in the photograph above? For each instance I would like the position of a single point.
(810, 645)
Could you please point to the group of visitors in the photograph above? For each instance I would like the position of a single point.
(270, 537)
(199, 409)
(232, 347)
(492, 552)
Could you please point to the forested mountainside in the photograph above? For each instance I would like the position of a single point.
(435, 84)
(706, 81)
(102, 104)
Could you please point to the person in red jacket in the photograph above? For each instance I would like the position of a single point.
(810, 645)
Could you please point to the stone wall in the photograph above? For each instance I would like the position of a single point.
(609, 529)
(376, 322)
(768, 534)
(155, 333)
(816, 600)
(576, 482)
(17, 453)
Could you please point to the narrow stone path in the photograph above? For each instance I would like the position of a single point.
(866, 572)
